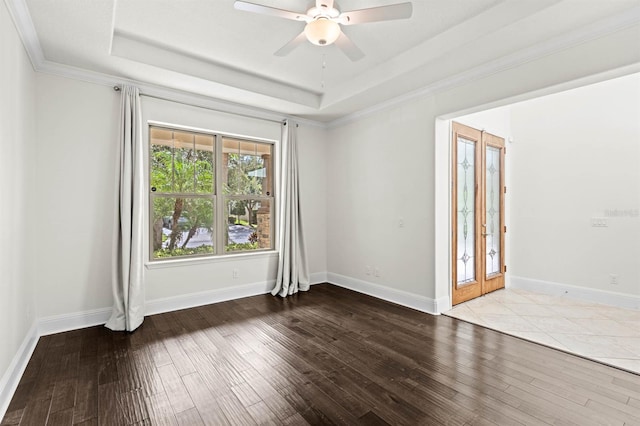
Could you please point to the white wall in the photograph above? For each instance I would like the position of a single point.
(386, 165)
(77, 132)
(379, 173)
(312, 152)
(77, 128)
(17, 151)
(576, 155)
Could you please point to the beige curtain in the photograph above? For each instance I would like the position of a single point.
(293, 272)
(127, 252)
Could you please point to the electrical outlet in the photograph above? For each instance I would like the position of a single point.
(613, 279)
(599, 222)
(376, 272)
(235, 273)
(367, 270)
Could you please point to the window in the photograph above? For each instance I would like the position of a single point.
(209, 194)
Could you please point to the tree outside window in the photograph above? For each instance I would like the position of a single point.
(186, 219)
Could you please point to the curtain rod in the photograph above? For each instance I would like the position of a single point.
(117, 89)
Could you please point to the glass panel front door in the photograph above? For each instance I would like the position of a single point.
(478, 213)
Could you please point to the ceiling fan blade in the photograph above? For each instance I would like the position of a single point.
(272, 11)
(287, 48)
(376, 14)
(327, 3)
(352, 51)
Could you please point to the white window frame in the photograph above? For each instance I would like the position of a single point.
(218, 197)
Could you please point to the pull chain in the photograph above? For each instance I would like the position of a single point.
(324, 67)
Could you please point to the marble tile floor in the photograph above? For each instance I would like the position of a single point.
(603, 333)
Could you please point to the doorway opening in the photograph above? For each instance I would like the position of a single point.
(571, 212)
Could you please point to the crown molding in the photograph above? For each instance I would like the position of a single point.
(585, 34)
(165, 93)
(26, 30)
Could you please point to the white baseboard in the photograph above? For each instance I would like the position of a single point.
(620, 300)
(77, 320)
(170, 304)
(443, 304)
(410, 300)
(174, 303)
(73, 321)
(13, 374)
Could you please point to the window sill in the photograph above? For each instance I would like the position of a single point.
(174, 263)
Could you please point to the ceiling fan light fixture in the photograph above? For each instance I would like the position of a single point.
(322, 31)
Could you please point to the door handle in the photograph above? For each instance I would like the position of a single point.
(484, 234)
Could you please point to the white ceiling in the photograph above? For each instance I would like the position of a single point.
(206, 47)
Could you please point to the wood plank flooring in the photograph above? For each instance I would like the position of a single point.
(329, 356)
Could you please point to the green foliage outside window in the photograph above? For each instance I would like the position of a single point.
(243, 179)
(175, 171)
(183, 193)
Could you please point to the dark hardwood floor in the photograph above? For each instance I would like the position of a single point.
(329, 356)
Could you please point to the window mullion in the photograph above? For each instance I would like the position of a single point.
(219, 221)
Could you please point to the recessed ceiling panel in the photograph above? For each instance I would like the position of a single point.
(208, 48)
(248, 41)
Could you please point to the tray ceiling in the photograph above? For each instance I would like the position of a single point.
(207, 47)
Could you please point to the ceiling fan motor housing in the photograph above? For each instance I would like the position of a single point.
(324, 11)
(322, 31)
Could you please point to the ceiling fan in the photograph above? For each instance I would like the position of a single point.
(323, 23)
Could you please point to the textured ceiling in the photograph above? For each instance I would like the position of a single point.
(209, 48)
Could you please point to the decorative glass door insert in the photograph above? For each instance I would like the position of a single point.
(492, 211)
(466, 171)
